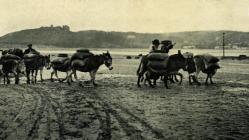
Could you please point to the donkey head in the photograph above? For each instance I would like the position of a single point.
(108, 60)
(180, 60)
(46, 60)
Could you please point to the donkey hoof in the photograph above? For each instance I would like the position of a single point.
(95, 85)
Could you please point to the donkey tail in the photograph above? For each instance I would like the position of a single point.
(139, 67)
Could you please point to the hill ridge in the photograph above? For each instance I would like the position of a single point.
(61, 36)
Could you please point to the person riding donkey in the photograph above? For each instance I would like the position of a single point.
(162, 53)
(34, 62)
(155, 45)
(31, 50)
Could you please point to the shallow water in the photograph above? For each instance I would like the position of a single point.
(130, 51)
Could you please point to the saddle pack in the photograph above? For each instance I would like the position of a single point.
(207, 62)
(81, 54)
(158, 62)
(31, 57)
(10, 57)
(60, 59)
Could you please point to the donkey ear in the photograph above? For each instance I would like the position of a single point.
(107, 52)
(179, 52)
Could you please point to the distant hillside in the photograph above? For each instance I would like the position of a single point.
(63, 37)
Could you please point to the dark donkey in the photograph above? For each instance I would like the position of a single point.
(11, 64)
(91, 65)
(174, 64)
(34, 63)
(11, 61)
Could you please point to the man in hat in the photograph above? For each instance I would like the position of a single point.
(155, 45)
(31, 50)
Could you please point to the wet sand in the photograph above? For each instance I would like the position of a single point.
(117, 109)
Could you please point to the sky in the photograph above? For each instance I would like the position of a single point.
(146, 16)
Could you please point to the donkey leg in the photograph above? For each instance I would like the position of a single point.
(41, 71)
(65, 77)
(32, 76)
(154, 81)
(56, 75)
(166, 81)
(138, 80)
(52, 74)
(92, 74)
(69, 77)
(181, 76)
(177, 79)
(155, 78)
(8, 79)
(4, 78)
(145, 79)
(16, 77)
(36, 73)
(196, 77)
(148, 75)
(206, 82)
(27, 76)
(75, 75)
(211, 81)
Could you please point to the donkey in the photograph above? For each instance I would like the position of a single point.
(34, 64)
(11, 64)
(91, 65)
(197, 64)
(174, 64)
(62, 67)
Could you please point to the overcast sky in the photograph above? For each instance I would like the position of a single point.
(126, 15)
